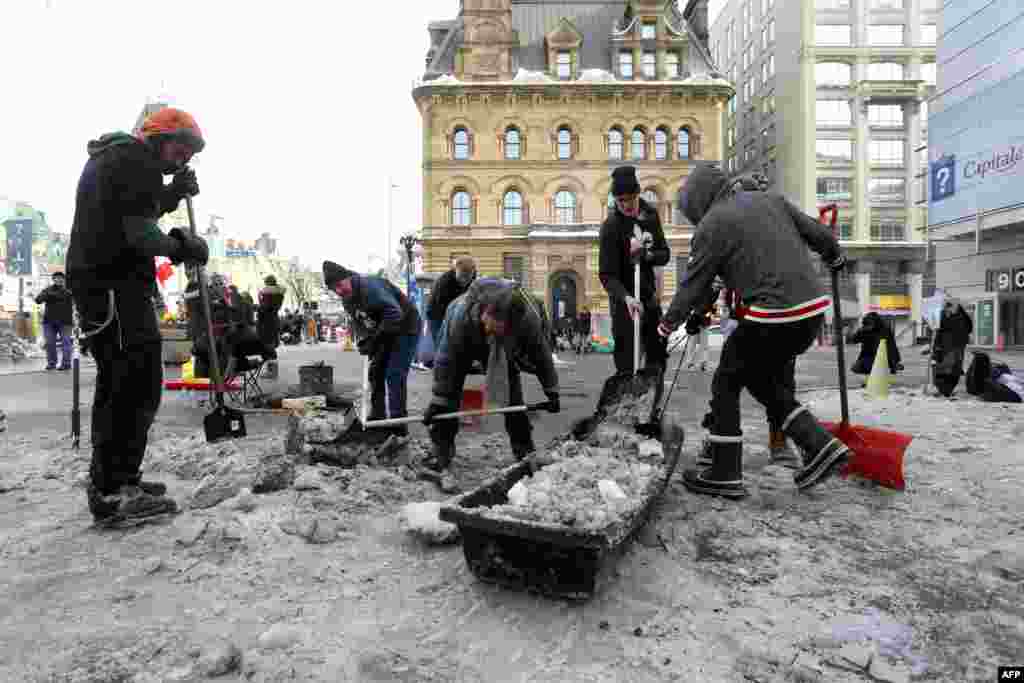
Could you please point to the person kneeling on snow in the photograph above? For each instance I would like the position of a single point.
(757, 243)
(870, 335)
(387, 325)
(499, 324)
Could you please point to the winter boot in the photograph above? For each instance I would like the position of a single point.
(153, 488)
(823, 454)
(780, 451)
(521, 450)
(704, 458)
(129, 503)
(725, 476)
(441, 456)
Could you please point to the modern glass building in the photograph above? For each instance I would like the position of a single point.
(975, 175)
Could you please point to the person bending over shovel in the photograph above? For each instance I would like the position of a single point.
(497, 323)
(757, 243)
(112, 277)
(387, 325)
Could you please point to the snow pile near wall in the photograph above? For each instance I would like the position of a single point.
(596, 76)
(526, 76)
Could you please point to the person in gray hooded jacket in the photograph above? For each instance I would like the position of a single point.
(757, 242)
(497, 323)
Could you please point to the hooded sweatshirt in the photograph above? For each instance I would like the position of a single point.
(757, 243)
(114, 235)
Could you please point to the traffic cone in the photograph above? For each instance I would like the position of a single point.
(879, 379)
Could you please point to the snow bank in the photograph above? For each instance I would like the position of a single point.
(423, 520)
(596, 76)
(526, 76)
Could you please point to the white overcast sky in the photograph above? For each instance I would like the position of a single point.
(306, 112)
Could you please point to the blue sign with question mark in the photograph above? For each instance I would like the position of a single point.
(943, 174)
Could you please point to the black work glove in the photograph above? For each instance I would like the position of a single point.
(694, 323)
(554, 404)
(367, 346)
(184, 184)
(838, 264)
(192, 250)
(432, 411)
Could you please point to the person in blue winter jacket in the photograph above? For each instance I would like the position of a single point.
(387, 326)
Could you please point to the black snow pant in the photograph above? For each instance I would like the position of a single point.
(520, 431)
(652, 344)
(129, 382)
(760, 358)
(788, 378)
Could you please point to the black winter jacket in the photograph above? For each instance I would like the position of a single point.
(872, 331)
(464, 340)
(954, 330)
(615, 269)
(446, 290)
(58, 305)
(114, 235)
(757, 243)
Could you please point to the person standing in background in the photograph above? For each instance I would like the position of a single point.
(58, 318)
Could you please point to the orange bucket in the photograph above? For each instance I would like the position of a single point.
(473, 399)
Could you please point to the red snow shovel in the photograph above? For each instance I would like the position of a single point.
(877, 454)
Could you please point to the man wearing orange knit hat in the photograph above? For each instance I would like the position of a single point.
(112, 276)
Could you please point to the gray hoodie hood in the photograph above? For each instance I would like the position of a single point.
(700, 191)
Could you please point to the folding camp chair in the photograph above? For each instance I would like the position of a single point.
(244, 373)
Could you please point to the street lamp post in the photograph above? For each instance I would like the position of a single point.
(409, 242)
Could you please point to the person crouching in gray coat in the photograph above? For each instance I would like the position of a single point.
(498, 324)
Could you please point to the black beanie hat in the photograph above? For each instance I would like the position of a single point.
(624, 181)
(333, 274)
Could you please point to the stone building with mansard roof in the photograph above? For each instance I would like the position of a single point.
(528, 106)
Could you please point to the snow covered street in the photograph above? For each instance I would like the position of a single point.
(316, 580)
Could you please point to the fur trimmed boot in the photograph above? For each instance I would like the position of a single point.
(724, 478)
(823, 454)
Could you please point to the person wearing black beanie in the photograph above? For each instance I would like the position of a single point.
(387, 326)
(632, 234)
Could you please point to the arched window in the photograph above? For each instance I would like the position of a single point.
(462, 208)
(512, 207)
(564, 143)
(512, 143)
(660, 144)
(565, 207)
(683, 143)
(639, 144)
(461, 143)
(615, 140)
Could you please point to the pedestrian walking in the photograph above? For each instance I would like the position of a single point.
(757, 243)
(112, 277)
(388, 326)
(952, 338)
(499, 325)
(58, 318)
(631, 235)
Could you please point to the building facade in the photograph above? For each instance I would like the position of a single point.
(975, 181)
(831, 104)
(528, 106)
